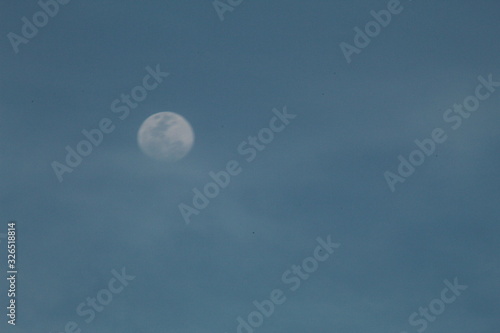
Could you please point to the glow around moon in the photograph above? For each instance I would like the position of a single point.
(165, 136)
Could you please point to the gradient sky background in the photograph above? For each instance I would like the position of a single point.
(322, 176)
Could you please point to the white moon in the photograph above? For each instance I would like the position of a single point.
(165, 136)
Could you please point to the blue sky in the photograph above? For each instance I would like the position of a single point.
(322, 175)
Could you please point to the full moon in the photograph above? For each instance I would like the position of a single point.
(165, 136)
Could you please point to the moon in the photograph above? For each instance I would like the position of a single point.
(165, 136)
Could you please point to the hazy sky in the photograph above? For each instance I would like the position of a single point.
(322, 175)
